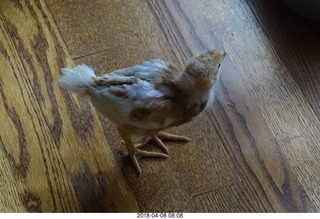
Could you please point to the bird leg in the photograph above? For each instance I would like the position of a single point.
(135, 153)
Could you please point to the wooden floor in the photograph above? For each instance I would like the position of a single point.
(256, 150)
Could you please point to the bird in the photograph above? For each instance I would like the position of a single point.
(145, 99)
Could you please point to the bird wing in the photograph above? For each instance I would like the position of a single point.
(133, 96)
(146, 70)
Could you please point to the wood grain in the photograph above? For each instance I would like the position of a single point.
(51, 141)
(265, 171)
(255, 150)
(288, 114)
(302, 59)
(9, 194)
(232, 199)
(29, 152)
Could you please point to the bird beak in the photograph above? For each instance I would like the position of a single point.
(222, 55)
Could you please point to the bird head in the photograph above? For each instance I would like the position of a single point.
(203, 69)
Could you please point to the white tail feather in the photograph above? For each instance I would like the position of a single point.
(77, 79)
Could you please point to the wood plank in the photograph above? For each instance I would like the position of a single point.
(265, 171)
(65, 162)
(26, 142)
(300, 52)
(232, 199)
(103, 22)
(9, 194)
(91, 35)
(288, 114)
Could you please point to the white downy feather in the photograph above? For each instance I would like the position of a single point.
(77, 79)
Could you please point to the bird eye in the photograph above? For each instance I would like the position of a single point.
(219, 66)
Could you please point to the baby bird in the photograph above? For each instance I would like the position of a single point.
(143, 100)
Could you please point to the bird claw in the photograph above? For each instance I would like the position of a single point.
(163, 135)
(167, 136)
(140, 153)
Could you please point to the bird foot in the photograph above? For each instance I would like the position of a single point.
(135, 152)
(158, 139)
(140, 153)
(166, 136)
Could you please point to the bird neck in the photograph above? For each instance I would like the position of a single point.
(191, 91)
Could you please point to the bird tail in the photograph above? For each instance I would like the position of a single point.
(77, 79)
